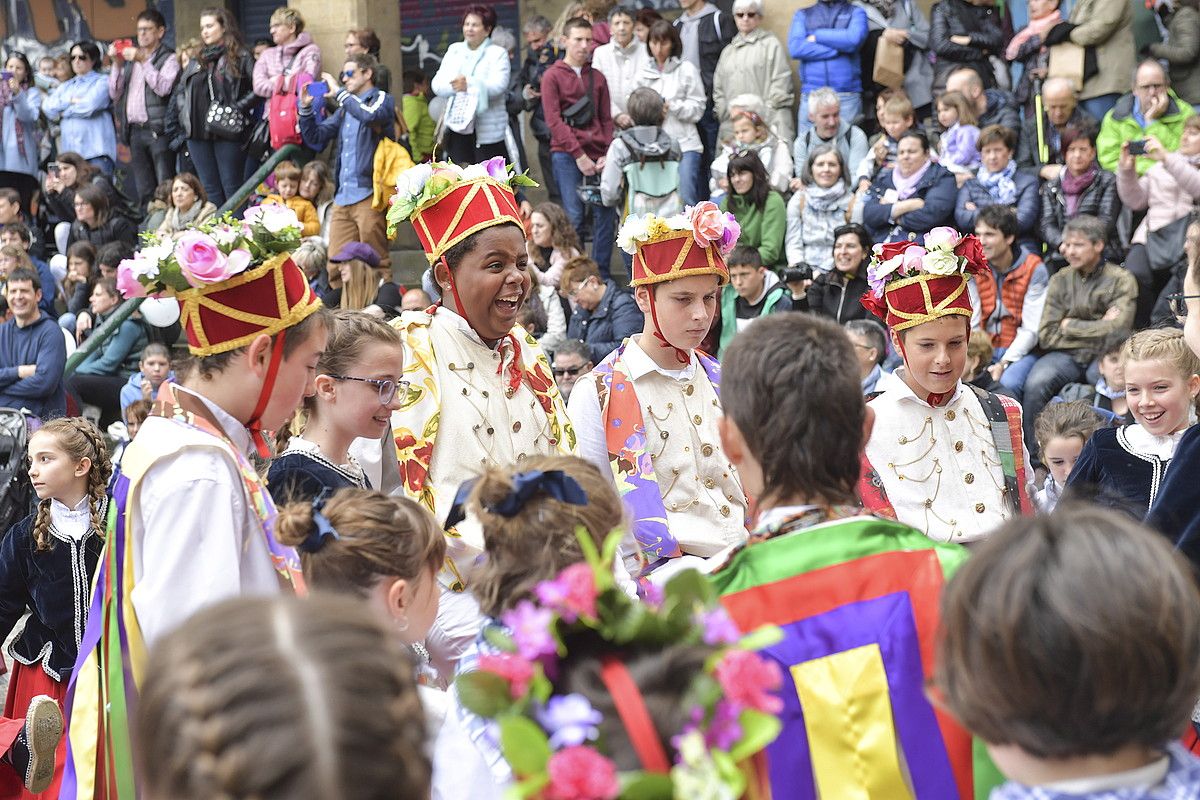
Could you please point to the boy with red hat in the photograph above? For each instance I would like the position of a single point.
(193, 521)
(944, 456)
(649, 412)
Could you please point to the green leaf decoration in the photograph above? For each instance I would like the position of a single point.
(758, 731)
(499, 639)
(761, 638)
(484, 693)
(590, 554)
(646, 786)
(524, 744)
(691, 589)
(523, 180)
(727, 768)
(527, 787)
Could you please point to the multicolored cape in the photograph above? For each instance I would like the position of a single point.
(632, 464)
(102, 694)
(416, 423)
(857, 598)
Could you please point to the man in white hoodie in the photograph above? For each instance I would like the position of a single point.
(619, 61)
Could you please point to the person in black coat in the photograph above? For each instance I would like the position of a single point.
(965, 33)
(1082, 187)
(894, 212)
(837, 294)
(605, 314)
(96, 222)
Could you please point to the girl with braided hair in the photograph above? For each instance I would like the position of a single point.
(47, 561)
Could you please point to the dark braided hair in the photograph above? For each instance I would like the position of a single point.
(79, 439)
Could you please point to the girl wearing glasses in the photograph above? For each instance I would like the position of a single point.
(358, 386)
(83, 105)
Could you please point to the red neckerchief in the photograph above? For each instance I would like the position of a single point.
(515, 373)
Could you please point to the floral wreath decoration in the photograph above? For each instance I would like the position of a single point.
(909, 284)
(553, 742)
(692, 242)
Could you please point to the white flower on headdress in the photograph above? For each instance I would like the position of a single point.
(276, 218)
(634, 229)
(156, 253)
(696, 776)
(940, 262)
(226, 235)
(412, 180)
(943, 238)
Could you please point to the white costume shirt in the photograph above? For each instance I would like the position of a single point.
(701, 490)
(939, 466)
(196, 539)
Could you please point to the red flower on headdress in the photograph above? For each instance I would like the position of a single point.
(970, 249)
(885, 251)
(874, 304)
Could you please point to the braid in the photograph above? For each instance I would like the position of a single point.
(98, 475)
(79, 439)
(41, 526)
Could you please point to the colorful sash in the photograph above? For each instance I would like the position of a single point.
(858, 602)
(416, 423)
(632, 464)
(102, 694)
(1004, 417)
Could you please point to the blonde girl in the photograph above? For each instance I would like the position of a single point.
(958, 149)
(751, 133)
(1124, 466)
(47, 561)
(358, 386)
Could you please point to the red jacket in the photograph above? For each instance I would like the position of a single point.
(560, 88)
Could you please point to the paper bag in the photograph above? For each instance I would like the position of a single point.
(1066, 61)
(889, 64)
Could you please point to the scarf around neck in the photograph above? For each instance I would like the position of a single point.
(1075, 185)
(906, 187)
(819, 199)
(1000, 185)
(1036, 27)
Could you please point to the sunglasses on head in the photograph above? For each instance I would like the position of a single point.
(349, 73)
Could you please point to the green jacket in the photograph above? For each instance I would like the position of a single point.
(729, 310)
(420, 126)
(1084, 301)
(1119, 127)
(763, 230)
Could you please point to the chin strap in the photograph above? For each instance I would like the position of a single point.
(635, 717)
(515, 373)
(681, 355)
(264, 397)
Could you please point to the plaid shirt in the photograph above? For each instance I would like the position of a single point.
(1181, 783)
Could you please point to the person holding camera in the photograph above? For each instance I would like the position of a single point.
(1151, 109)
(1168, 192)
(837, 294)
(578, 112)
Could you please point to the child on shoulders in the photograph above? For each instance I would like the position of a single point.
(287, 193)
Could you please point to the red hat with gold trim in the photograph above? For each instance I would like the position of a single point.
(911, 284)
(234, 279)
(447, 203)
(694, 242)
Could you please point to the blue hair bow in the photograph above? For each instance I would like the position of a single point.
(323, 528)
(556, 483)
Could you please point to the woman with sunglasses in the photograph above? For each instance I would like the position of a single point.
(227, 67)
(85, 109)
(358, 386)
(754, 63)
(20, 105)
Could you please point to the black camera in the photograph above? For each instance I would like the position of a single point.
(1137, 147)
(800, 272)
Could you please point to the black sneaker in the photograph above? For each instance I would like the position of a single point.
(33, 753)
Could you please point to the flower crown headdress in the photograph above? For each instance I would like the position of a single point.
(693, 242)
(910, 284)
(553, 742)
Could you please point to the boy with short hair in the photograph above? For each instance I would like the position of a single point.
(1094, 708)
(287, 193)
(153, 368)
(648, 413)
(896, 119)
(753, 291)
(856, 596)
(642, 165)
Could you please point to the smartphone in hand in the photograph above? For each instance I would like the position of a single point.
(1137, 147)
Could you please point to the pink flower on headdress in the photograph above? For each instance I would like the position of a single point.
(719, 628)
(517, 671)
(530, 626)
(127, 283)
(200, 259)
(708, 223)
(581, 773)
(572, 594)
(749, 680)
(942, 238)
(730, 236)
(497, 168)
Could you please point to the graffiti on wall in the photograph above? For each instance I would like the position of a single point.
(38, 27)
(430, 28)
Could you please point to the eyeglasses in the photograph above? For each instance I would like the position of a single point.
(80, 58)
(572, 371)
(1179, 304)
(387, 388)
(348, 73)
(745, 14)
(572, 294)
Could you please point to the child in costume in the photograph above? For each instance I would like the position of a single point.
(605, 697)
(945, 457)
(358, 386)
(533, 515)
(302, 699)
(480, 390)
(1124, 466)
(854, 594)
(648, 413)
(47, 561)
(1130, 655)
(1062, 430)
(193, 522)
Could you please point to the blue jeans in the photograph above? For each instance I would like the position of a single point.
(708, 127)
(1016, 373)
(1049, 375)
(220, 166)
(689, 178)
(604, 220)
(1099, 106)
(850, 103)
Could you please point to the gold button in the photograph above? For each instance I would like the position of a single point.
(696, 419)
(485, 393)
(457, 586)
(517, 426)
(903, 440)
(452, 365)
(979, 508)
(958, 447)
(470, 365)
(950, 415)
(664, 435)
(724, 511)
(706, 450)
(687, 449)
(675, 470)
(929, 504)
(509, 392)
(709, 483)
(490, 431)
(464, 392)
(521, 456)
(968, 478)
(674, 506)
(689, 389)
